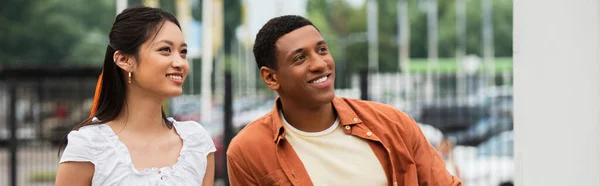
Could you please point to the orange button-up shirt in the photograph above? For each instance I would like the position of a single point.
(260, 155)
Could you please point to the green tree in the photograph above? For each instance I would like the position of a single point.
(337, 19)
(55, 31)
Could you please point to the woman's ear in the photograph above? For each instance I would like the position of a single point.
(269, 77)
(124, 61)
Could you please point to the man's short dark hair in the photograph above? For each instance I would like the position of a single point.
(264, 45)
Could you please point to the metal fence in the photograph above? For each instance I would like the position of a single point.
(39, 106)
(468, 120)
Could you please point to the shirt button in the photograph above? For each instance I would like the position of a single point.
(347, 127)
(395, 183)
(355, 119)
(369, 133)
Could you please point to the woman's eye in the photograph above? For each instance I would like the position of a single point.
(165, 49)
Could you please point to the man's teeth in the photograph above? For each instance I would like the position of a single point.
(320, 80)
(174, 77)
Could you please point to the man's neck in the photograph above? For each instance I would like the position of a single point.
(308, 119)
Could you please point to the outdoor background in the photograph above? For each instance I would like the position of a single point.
(447, 63)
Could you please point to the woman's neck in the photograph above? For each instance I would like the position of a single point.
(141, 112)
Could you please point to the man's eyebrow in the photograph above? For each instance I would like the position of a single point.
(322, 42)
(300, 50)
(294, 52)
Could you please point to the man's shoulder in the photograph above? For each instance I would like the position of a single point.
(255, 135)
(379, 115)
(371, 107)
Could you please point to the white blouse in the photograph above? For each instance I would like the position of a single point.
(99, 145)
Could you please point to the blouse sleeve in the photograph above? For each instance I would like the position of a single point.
(78, 148)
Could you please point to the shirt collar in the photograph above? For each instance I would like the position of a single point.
(346, 116)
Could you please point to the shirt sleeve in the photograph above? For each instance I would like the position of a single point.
(431, 169)
(238, 175)
(78, 148)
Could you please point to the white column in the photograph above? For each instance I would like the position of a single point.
(461, 49)
(183, 11)
(404, 49)
(121, 5)
(218, 50)
(487, 35)
(207, 59)
(557, 92)
(151, 3)
(184, 14)
(372, 32)
(432, 49)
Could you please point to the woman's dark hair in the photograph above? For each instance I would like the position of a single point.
(132, 27)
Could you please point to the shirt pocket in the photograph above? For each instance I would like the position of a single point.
(276, 177)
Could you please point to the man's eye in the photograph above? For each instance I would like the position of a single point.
(300, 58)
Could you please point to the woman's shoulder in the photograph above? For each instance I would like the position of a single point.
(85, 144)
(90, 132)
(196, 137)
(93, 135)
(188, 127)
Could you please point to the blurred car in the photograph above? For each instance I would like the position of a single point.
(24, 134)
(498, 103)
(482, 130)
(452, 117)
(489, 164)
(498, 145)
(55, 127)
(449, 114)
(432, 134)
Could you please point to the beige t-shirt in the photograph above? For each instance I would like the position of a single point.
(333, 158)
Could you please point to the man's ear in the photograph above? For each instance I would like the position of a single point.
(269, 77)
(124, 61)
